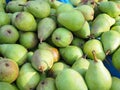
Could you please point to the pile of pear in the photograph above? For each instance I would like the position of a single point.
(51, 45)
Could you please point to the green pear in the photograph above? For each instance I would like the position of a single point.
(42, 60)
(110, 8)
(57, 68)
(71, 21)
(84, 32)
(55, 52)
(46, 84)
(13, 6)
(116, 28)
(64, 7)
(70, 53)
(116, 59)
(9, 70)
(55, 3)
(96, 45)
(101, 23)
(87, 11)
(102, 78)
(28, 77)
(16, 52)
(111, 44)
(28, 39)
(20, 0)
(69, 79)
(2, 8)
(78, 42)
(24, 21)
(6, 86)
(45, 28)
(115, 83)
(75, 2)
(8, 34)
(3, 2)
(4, 19)
(53, 13)
(29, 56)
(81, 65)
(36, 8)
(62, 37)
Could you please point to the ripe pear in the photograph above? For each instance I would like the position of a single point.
(96, 45)
(110, 8)
(71, 21)
(102, 77)
(8, 34)
(116, 59)
(24, 21)
(36, 8)
(45, 28)
(70, 53)
(16, 52)
(42, 60)
(87, 11)
(54, 50)
(84, 32)
(4, 19)
(101, 23)
(28, 39)
(111, 44)
(69, 79)
(14, 6)
(115, 83)
(116, 28)
(9, 70)
(78, 42)
(28, 77)
(62, 37)
(6, 86)
(57, 68)
(46, 84)
(81, 65)
(64, 7)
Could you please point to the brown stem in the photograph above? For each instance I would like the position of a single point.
(41, 69)
(91, 36)
(94, 55)
(84, 56)
(41, 40)
(107, 52)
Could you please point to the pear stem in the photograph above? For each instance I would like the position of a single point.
(107, 52)
(94, 55)
(41, 69)
(84, 56)
(22, 5)
(91, 36)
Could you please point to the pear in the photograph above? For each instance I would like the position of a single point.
(62, 37)
(28, 39)
(116, 28)
(96, 45)
(78, 42)
(115, 59)
(75, 2)
(4, 19)
(36, 8)
(53, 14)
(100, 73)
(13, 6)
(24, 21)
(8, 34)
(81, 65)
(9, 70)
(69, 79)
(101, 23)
(29, 56)
(115, 83)
(64, 7)
(87, 11)
(46, 84)
(71, 21)
(55, 52)
(111, 44)
(3, 2)
(84, 32)
(110, 8)
(28, 77)
(55, 3)
(6, 86)
(2, 8)
(16, 52)
(70, 53)
(45, 28)
(57, 68)
(42, 60)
